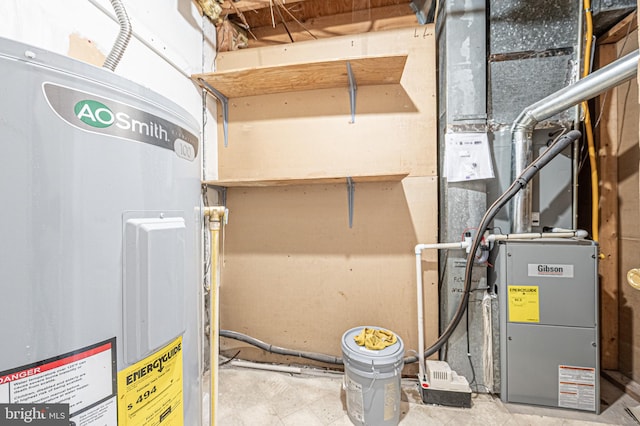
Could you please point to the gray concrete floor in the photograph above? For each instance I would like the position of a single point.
(255, 397)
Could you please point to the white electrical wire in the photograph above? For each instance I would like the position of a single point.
(487, 343)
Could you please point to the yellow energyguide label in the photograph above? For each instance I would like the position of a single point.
(150, 391)
(524, 303)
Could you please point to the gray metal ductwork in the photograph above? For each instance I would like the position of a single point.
(522, 130)
(124, 36)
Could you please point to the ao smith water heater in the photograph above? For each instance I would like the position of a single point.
(99, 244)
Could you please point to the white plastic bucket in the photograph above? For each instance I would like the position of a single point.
(372, 381)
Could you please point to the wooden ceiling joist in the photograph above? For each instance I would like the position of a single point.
(230, 7)
(264, 13)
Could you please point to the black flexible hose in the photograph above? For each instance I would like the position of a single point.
(520, 182)
(329, 359)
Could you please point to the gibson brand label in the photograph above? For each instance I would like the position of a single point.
(550, 270)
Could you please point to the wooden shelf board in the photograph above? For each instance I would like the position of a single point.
(309, 181)
(306, 76)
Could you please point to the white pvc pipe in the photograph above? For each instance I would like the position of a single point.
(267, 367)
(286, 369)
(420, 314)
(441, 246)
(418, 251)
(536, 235)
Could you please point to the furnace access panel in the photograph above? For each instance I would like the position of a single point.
(549, 323)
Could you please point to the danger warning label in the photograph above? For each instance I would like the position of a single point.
(577, 387)
(84, 379)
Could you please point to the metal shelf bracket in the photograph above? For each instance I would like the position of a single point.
(352, 92)
(351, 187)
(225, 108)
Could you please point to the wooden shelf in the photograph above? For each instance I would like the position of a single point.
(305, 76)
(309, 181)
(349, 181)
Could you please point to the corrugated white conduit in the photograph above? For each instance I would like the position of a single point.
(124, 36)
(142, 40)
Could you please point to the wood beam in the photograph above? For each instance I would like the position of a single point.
(308, 10)
(375, 19)
(249, 5)
(620, 30)
(608, 143)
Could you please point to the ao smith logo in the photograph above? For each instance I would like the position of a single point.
(97, 114)
(108, 117)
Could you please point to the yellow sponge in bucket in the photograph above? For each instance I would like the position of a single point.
(375, 339)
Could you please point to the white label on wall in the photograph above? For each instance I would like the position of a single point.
(467, 157)
(550, 270)
(577, 387)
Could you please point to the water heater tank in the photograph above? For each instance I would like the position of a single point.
(99, 244)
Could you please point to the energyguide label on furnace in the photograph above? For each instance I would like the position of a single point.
(150, 391)
(85, 379)
(524, 303)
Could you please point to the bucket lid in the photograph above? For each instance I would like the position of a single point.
(389, 355)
